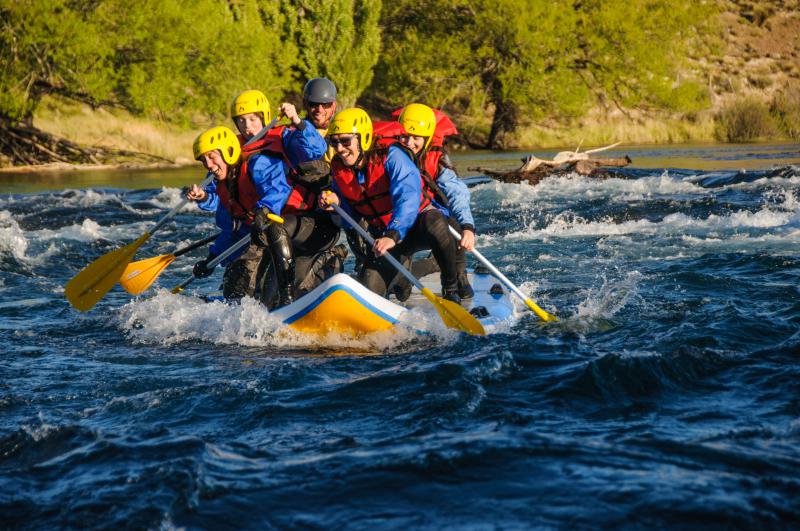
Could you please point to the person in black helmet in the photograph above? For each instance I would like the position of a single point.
(319, 100)
(313, 232)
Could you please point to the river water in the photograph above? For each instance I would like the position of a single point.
(667, 396)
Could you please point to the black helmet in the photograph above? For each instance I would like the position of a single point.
(319, 90)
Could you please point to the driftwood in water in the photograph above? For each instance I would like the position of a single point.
(534, 169)
(24, 145)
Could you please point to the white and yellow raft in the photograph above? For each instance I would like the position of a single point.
(342, 305)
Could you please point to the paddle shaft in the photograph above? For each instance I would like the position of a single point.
(213, 263)
(195, 245)
(510, 285)
(388, 256)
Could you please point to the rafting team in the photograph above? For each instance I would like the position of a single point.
(394, 178)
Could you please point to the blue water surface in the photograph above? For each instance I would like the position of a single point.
(668, 396)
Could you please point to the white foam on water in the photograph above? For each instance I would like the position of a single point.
(783, 210)
(86, 198)
(169, 198)
(607, 300)
(12, 238)
(89, 230)
(554, 190)
(169, 319)
(779, 182)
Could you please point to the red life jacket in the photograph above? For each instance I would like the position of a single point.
(372, 200)
(302, 198)
(444, 126)
(238, 194)
(428, 160)
(387, 129)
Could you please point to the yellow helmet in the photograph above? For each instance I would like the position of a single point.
(355, 121)
(220, 138)
(418, 120)
(251, 101)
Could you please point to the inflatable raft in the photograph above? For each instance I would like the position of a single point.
(342, 305)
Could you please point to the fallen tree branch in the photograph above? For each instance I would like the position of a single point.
(534, 169)
(25, 145)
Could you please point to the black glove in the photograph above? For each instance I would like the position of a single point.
(201, 269)
(258, 232)
(314, 171)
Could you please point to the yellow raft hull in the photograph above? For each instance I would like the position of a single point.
(342, 305)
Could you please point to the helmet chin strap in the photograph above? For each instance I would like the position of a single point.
(360, 153)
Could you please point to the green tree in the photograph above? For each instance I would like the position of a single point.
(337, 39)
(520, 60)
(153, 57)
(49, 46)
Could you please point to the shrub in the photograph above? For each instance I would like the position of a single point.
(744, 120)
(785, 108)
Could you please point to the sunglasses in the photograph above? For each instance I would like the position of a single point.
(312, 104)
(343, 140)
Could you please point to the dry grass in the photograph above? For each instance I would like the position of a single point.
(745, 119)
(114, 129)
(601, 130)
(785, 108)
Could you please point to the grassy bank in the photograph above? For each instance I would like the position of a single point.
(739, 119)
(113, 128)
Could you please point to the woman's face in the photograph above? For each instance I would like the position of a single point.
(414, 143)
(249, 124)
(346, 146)
(213, 162)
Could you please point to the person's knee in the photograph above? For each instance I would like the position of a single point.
(373, 280)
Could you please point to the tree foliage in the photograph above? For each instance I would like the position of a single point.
(495, 64)
(522, 60)
(337, 39)
(175, 61)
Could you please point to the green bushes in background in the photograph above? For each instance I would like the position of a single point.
(496, 66)
(513, 62)
(176, 61)
(747, 119)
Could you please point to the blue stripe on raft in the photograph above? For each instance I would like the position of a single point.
(308, 309)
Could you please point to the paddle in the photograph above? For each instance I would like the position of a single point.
(139, 275)
(229, 251)
(453, 315)
(96, 279)
(86, 288)
(543, 315)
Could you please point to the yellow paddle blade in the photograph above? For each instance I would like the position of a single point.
(543, 315)
(139, 275)
(454, 315)
(96, 279)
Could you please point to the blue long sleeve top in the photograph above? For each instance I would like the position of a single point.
(300, 144)
(269, 178)
(457, 195)
(303, 143)
(405, 189)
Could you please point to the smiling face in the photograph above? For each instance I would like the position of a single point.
(346, 146)
(414, 143)
(320, 114)
(213, 162)
(249, 124)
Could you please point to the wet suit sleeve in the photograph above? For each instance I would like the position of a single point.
(458, 195)
(269, 177)
(227, 237)
(209, 204)
(405, 187)
(303, 143)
